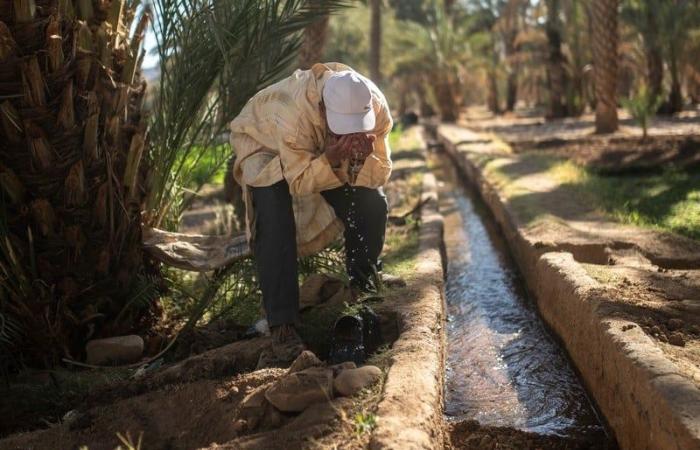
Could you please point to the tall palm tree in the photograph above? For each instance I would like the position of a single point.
(81, 167)
(315, 38)
(605, 60)
(643, 16)
(375, 41)
(557, 77)
(73, 169)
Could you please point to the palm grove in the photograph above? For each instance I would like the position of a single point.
(88, 155)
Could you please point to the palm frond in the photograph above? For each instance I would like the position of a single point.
(214, 55)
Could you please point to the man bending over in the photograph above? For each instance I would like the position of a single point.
(311, 156)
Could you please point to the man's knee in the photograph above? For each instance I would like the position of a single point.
(374, 203)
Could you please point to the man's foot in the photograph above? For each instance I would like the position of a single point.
(286, 346)
(286, 342)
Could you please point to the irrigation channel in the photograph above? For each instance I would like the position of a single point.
(504, 367)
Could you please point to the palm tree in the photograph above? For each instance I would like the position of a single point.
(605, 59)
(643, 15)
(315, 37)
(375, 40)
(557, 77)
(73, 170)
(81, 166)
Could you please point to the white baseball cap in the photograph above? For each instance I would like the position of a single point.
(348, 101)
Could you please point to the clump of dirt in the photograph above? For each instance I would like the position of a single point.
(470, 435)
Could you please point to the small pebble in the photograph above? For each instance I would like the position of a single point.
(629, 326)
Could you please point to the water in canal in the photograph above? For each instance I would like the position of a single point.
(504, 368)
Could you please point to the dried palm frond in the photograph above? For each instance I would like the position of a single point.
(7, 43)
(54, 43)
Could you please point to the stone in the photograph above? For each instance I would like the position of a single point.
(253, 407)
(676, 339)
(296, 391)
(115, 350)
(304, 361)
(337, 368)
(351, 381)
(674, 324)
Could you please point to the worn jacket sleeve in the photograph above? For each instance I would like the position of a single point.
(377, 168)
(305, 172)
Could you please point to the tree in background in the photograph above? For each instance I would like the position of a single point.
(643, 16)
(315, 37)
(605, 62)
(375, 46)
(557, 76)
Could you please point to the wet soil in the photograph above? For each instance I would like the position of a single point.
(470, 435)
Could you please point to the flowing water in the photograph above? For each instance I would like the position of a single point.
(504, 368)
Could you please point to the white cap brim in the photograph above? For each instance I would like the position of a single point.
(340, 123)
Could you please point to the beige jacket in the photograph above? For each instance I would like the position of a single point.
(280, 134)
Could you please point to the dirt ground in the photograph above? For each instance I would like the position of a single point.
(197, 402)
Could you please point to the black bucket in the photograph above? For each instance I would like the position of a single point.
(354, 337)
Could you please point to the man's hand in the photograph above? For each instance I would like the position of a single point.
(363, 145)
(338, 149)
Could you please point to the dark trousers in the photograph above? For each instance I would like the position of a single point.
(363, 211)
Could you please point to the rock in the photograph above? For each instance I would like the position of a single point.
(674, 324)
(119, 350)
(253, 407)
(337, 368)
(676, 339)
(321, 413)
(304, 361)
(351, 381)
(296, 391)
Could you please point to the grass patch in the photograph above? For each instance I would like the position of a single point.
(401, 248)
(668, 201)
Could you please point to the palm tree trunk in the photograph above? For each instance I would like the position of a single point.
(654, 57)
(315, 38)
(675, 98)
(73, 144)
(605, 59)
(444, 95)
(557, 78)
(512, 90)
(375, 41)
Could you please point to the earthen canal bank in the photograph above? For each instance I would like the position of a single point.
(647, 400)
